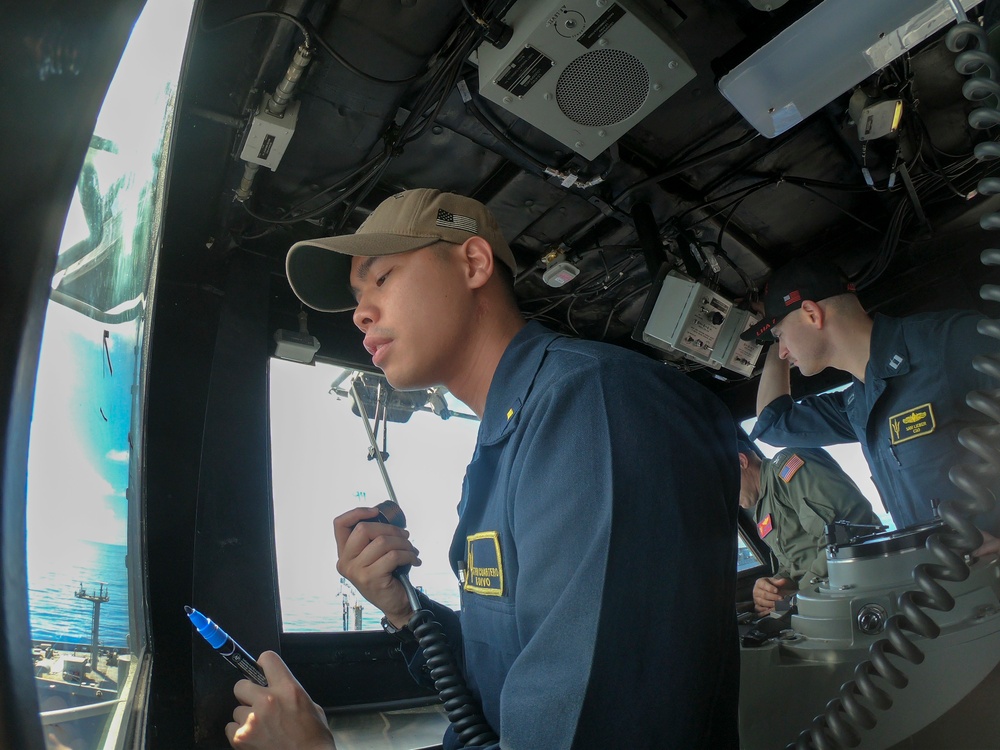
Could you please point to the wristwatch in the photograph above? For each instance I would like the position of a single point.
(403, 634)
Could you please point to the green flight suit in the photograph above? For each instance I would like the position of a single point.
(802, 490)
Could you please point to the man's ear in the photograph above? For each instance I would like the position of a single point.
(479, 261)
(813, 314)
(744, 461)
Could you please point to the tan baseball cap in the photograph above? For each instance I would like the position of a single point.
(319, 270)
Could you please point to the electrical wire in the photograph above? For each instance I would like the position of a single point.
(675, 169)
(304, 27)
(325, 46)
(290, 217)
(588, 290)
(357, 185)
(751, 287)
(690, 163)
(930, 191)
(739, 193)
(482, 116)
(641, 290)
(423, 112)
(473, 15)
(260, 14)
(833, 203)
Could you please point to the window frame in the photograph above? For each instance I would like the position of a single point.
(38, 188)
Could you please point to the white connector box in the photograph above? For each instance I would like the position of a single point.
(701, 324)
(269, 135)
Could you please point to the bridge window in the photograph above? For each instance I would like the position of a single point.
(322, 466)
(85, 583)
(851, 460)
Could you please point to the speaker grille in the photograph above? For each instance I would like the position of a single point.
(602, 87)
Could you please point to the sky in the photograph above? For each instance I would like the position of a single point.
(320, 469)
(78, 451)
(851, 460)
(82, 412)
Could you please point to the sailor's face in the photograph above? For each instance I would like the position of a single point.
(410, 308)
(798, 343)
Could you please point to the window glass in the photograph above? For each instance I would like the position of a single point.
(321, 468)
(745, 557)
(85, 586)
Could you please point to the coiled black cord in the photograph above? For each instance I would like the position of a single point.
(462, 708)
(838, 726)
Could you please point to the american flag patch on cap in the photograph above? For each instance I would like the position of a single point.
(791, 466)
(455, 221)
(792, 297)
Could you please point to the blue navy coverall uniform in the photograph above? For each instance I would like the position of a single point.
(906, 415)
(600, 477)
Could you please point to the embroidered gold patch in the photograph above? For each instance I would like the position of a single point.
(510, 413)
(484, 564)
(766, 526)
(912, 423)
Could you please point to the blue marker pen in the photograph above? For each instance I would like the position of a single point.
(224, 644)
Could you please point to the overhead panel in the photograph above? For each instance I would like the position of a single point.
(585, 71)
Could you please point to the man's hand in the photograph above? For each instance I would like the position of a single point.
(775, 380)
(767, 591)
(368, 553)
(278, 717)
(990, 545)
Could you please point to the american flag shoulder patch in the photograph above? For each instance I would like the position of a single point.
(791, 466)
(792, 297)
(455, 221)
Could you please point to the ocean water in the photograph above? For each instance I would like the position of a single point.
(57, 615)
(347, 610)
(56, 573)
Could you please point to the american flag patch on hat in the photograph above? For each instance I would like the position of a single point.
(792, 297)
(791, 466)
(455, 221)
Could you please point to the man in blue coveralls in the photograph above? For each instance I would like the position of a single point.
(598, 476)
(906, 403)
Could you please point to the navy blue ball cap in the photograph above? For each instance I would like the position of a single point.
(790, 286)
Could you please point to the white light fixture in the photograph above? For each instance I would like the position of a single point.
(825, 53)
(297, 346)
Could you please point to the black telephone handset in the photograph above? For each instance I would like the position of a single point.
(390, 513)
(462, 709)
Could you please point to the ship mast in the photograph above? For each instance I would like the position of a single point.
(97, 599)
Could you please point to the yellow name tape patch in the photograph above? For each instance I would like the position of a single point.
(484, 564)
(912, 423)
